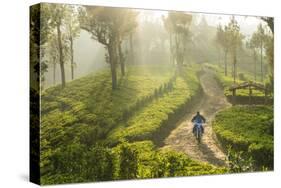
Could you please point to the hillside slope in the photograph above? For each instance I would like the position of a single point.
(87, 118)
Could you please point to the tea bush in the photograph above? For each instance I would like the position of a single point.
(248, 129)
(87, 108)
(149, 120)
(135, 160)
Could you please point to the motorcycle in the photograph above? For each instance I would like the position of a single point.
(197, 131)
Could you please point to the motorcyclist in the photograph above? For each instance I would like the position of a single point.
(198, 119)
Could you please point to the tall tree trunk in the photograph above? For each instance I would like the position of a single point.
(219, 57)
(179, 55)
(112, 60)
(71, 57)
(171, 50)
(54, 74)
(234, 66)
(255, 65)
(121, 58)
(261, 49)
(232, 70)
(225, 63)
(61, 57)
(132, 55)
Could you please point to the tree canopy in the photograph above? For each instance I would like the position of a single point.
(109, 26)
(178, 25)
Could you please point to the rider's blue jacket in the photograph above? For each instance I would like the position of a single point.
(198, 119)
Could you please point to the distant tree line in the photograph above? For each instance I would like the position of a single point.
(114, 28)
(231, 39)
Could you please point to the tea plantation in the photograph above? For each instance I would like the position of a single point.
(91, 133)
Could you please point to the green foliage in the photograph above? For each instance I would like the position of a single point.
(58, 14)
(100, 166)
(168, 163)
(149, 120)
(128, 162)
(125, 161)
(76, 121)
(67, 159)
(153, 163)
(39, 33)
(74, 163)
(87, 109)
(248, 129)
(239, 161)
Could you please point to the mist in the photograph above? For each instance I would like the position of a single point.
(152, 46)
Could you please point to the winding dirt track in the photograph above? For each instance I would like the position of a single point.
(182, 139)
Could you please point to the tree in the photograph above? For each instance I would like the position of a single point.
(53, 54)
(108, 26)
(53, 51)
(235, 38)
(270, 41)
(269, 50)
(127, 23)
(72, 30)
(259, 39)
(269, 45)
(168, 26)
(223, 40)
(131, 22)
(270, 22)
(58, 16)
(178, 25)
(39, 33)
(251, 44)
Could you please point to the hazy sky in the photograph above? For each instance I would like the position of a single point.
(248, 24)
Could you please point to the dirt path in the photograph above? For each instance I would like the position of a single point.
(182, 139)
